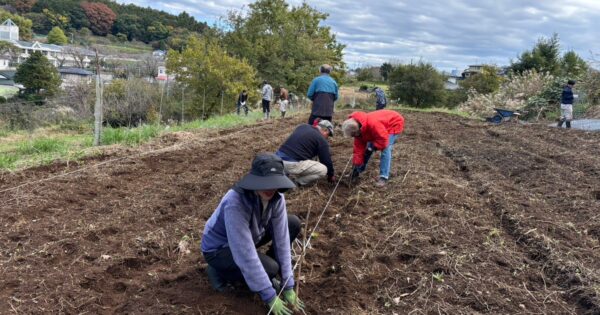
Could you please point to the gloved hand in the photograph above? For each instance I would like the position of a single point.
(331, 179)
(278, 307)
(292, 299)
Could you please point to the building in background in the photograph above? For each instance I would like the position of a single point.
(59, 56)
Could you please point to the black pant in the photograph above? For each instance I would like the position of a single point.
(245, 107)
(312, 118)
(379, 106)
(266, 105)
(222, 260)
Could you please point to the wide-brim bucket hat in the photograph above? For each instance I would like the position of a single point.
(267, 173)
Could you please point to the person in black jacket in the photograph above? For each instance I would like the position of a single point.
(298, 151)
(242, 102)
(566, 105)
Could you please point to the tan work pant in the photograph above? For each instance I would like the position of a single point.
(305, 172)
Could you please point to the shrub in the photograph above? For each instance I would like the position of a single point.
(418, 85)
(590, 86)
(530, 91)
(128, 102)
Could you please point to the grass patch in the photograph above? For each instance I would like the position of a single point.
(133, 136)
(8, 91)
(41, 146)
(7, 161)
(225, 121)
(71, 141)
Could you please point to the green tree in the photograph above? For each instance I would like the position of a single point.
(128, 24)
(418, 85)
(157, 32)
(57, 19)
(204, 66)
(486, 82)
(385, 70)
(38, 75)
(286, 45)
(24, 24)
(364, 74)
(572, 66)
(57, 36)
(41, 23)
(544, 57)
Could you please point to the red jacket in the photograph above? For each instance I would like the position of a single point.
(376, 127)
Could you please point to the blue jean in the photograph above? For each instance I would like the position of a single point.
(386, 157)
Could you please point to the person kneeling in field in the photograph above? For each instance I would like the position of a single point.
(250, 215)
(304, 144)
(373, 131)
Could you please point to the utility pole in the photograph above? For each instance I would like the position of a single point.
(162, 91)
(98, 105)
(203, 102)
(182, 107)
(222, 102)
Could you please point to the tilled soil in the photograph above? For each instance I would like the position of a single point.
(475, 219)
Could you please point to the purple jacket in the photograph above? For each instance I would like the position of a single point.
(239, 223)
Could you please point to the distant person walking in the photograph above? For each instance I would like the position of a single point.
(242, 102)
(566, 105)
(381, 101)
(267, 96)
(323, 92)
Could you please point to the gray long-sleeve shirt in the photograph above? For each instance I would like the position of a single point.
(239, 222)
(267, 92)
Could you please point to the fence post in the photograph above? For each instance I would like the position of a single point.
(221, 102)
(182, 107)
(98, 105)
(203, 102)
(162, 92)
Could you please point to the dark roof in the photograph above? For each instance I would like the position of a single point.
(77, 71)
(8, 74)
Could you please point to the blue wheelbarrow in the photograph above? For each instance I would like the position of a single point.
(503, 115)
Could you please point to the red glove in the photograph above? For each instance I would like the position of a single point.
(332, 179)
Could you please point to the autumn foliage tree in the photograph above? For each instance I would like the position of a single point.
(23, 6)
(100, 16)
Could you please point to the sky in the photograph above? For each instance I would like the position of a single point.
(450, 34)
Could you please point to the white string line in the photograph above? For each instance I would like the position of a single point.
(137, 155)
(305, 245)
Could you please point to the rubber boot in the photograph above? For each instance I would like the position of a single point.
(216, 281)
(568, 124)
(560, 123)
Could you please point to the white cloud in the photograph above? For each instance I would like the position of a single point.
(450, 34)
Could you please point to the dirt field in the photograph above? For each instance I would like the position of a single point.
(476, 219)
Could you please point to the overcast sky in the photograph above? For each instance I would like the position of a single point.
(450, 34)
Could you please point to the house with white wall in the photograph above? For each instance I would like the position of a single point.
(57, 55)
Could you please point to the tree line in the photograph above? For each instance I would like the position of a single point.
(420, 84)
(103, 17)
(271, 40)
